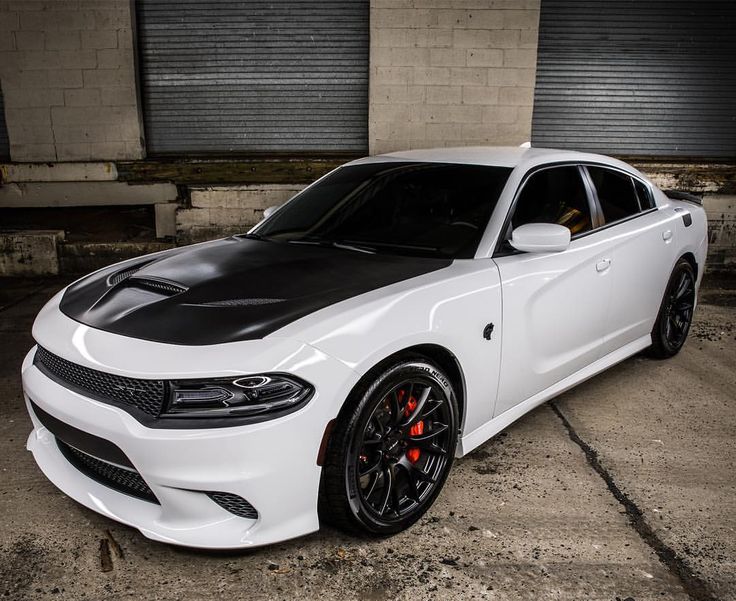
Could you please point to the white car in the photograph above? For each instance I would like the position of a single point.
(329, 364)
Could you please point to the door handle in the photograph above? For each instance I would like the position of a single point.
(666, 235)
(602, 265)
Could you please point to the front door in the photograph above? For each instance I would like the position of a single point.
(554, 304)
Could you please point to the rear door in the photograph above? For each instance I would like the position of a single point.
(554, 304)
(642, 253)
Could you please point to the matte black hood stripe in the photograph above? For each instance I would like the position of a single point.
(232, 289)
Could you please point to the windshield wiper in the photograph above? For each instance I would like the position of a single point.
(399, 245)
(334, 244)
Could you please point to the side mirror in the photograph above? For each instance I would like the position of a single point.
(270, 211)
(540, 238)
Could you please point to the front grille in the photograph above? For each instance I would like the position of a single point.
(145, 395)
(234, 504)
(121, 479)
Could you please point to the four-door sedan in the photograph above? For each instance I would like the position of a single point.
(329, 364)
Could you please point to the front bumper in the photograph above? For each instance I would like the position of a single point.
(273, 464)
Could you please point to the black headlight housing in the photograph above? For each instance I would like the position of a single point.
(244, 396)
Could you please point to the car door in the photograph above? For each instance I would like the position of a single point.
(642, 253)
(554, 304)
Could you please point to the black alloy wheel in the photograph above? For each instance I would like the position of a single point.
(389, 456)
(676, 312)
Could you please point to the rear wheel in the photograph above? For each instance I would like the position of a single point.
(676, 312)
(391, 450)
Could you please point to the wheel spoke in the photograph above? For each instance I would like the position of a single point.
(395, 496)
(421, 474)
(437, 429)
(683, 306)
(432, 406)
(413, 492)
(381, 428)
(682, 285)
(428, 445)
(672, 326)
(372, 485)
(417, 413)
(388, 484)
(373, 468)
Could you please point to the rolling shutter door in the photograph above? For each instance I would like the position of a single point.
(4, 142)
(250, 76)
(650, 77)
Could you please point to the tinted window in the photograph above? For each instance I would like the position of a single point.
(616, 193)
(430, 209)
(554, 196)
(644, 196)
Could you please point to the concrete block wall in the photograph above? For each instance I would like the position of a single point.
(68, 79)
(451, 73)
(218, 211)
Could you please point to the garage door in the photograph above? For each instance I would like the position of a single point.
(637, 77)
(226, 77)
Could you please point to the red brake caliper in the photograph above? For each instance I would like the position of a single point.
(412, 453)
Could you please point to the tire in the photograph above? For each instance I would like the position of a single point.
(675, 313)
(391, 449)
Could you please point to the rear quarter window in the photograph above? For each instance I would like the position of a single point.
(616, 193)
(644, 194)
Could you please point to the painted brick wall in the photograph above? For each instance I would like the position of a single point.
(67, 73)
(451, 72)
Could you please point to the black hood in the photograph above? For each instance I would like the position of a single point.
(227, 290)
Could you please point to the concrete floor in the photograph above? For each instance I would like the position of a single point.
(622, 489)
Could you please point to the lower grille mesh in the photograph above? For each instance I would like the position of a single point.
(124, 480)
(234, 504)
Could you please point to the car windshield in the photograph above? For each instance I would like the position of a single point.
(407, 208)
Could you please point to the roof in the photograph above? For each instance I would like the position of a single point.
(494, 156)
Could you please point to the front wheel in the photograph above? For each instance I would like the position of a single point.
(676, 312)
(391, 450)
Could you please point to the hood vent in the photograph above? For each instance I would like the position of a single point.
(242, 302)
(160, 286)
(119, 276)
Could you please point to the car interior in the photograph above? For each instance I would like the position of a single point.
(554, 195)
(616, 193)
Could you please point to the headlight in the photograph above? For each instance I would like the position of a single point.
(237, 397)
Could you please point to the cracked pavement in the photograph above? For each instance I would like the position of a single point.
(532, 514)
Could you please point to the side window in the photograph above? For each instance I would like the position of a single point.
(645, 196)
(555, 195)
(616, 193)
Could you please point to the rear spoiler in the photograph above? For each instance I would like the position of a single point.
(686, 196)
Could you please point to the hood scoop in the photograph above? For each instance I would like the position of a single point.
(123, 274)
(155, 285)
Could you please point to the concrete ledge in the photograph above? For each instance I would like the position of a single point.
(30, 252)
(79, 194)
(721, 211)
(219, 211)
(13, 173)
(84, 257)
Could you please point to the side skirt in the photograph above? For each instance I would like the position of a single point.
(488, 430)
